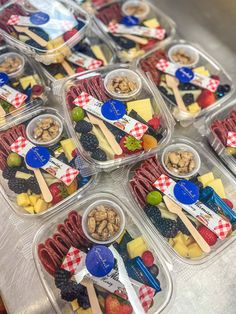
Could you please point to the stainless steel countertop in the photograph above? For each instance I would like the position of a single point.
(209, 290)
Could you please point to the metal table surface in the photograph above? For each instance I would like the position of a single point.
(209, 290)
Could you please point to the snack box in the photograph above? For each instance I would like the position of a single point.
(115, 122)
(39, 140)
(182, 71)
(134, 27)
(188, 174)
(144, 265)
(92, 52)
(22, 88)
(45, 30)
(220, 130)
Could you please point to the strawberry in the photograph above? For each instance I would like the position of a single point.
(149, 44)
(112, 305)
(130, 145)
(79, 70)
(209, 236)
(228, 202)
(148, 258)
(206, 98)
(126, 309)
(215, 77)
(69, 34)
(154, 123)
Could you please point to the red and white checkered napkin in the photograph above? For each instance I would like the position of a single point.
(113, 27)
(160, 33)
(69, 176)
(83, 99)
(95, 64)
(212, 85)
(72, 259)
(146, 295)
(222, 229)
(13, 20)
(18, 100)
(138, 130)
(162, 65)
(162, 183)
(231, 139)
(19, 144)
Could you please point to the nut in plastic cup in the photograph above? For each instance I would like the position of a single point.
(33, 124)
(126, 73)
(111, 205)
(137, 8)
(12, 64)
(188, 50)
(181, 147)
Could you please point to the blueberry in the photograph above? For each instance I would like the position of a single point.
(227, 88)
(188, 99)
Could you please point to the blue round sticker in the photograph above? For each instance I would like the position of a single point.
(99, 261)
(3, 79)
(39, 18)
(113, 109)
(186, 192)
(184, 74)
(37, 157)
(130, 20)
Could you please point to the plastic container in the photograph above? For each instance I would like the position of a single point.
(214, 140)
(208, 164)
(135, 229)
(127, 49)
(93, 45)
(137, 8)
(27, 81)
(153, 102)
(46, 31)
(192, 56)
(12, 64)
(201, 101)
(8, 137)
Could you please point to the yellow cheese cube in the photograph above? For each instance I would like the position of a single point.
(82, 311)
(29, 209)
(74, 305)
(40, 206)
(218, 187)
(179, 238)
(23, 200)
(59, 76)
(136, 247)
(202, 70)
(27, 80)
(98, 53)
(68, 147)
(143, 107)
(152, 23)
(194, 250)
(181, 249)
(33, 199)
(205, 178)
(194, 108)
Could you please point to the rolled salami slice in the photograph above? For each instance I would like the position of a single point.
(47, 259)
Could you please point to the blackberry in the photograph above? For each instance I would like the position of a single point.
(153, 213)
(89, 141)
(227, 88)
(70, 291)
(17, 185)
(62, 277)
(33, 185)
(168, 228)
(187, 86)
(9, 172)
(181, 226)
(188, 99)
(62, 158)
(83, 126)
(99, 154)
(119, 134)
(83, 299)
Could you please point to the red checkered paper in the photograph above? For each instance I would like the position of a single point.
(12, 96)
(205, 82)
(54, 166)
(73, 259)
(146, 295)
(84, 61)
(231, 139)
(200, 211)
(126, 123)
(158, 33)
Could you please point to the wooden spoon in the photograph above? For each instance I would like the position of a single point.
(107, 133)
(47, 195)
(67, 67)
(176, 209)
(172, 82)
(28, 32)
(95, 306)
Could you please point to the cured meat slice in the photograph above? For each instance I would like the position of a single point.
(54, 249)
(62, 244)
(47, 259)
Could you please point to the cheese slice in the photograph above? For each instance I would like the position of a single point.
(27, 80)
(202, 70)
(143, 107)
(99, 54)
(152, 23)
(218, 187)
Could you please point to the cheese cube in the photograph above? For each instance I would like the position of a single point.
(205, 178)
(136, 247)
(152, 23)
(74, 305)
(29, 209)
(59, 76)
(143, 107)
(202, 70)
(27, 80)
(218, 187)
(40, 206)
(194, 108)
(68, 147)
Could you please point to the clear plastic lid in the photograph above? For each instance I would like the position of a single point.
(46, 30)
(21, 87)
(220, 128)
(40, 139)
(132, 124)
(93, 51)
(139, 265)
(187, 76)
(213, 187)
(142, 26)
